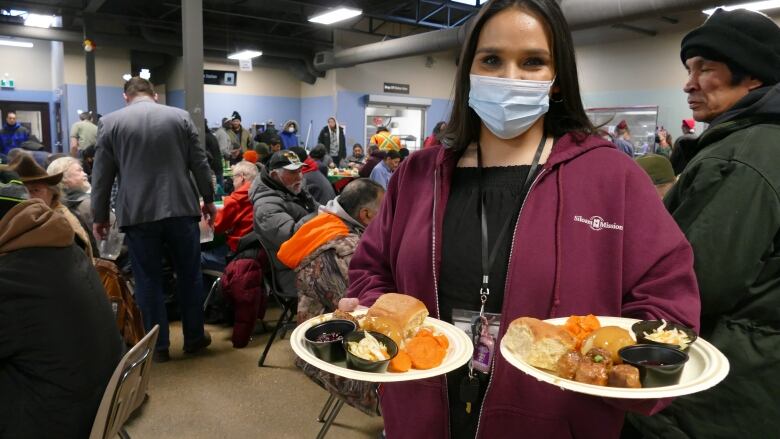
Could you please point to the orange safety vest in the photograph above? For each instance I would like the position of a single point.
(386, 141)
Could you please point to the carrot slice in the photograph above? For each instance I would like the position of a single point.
(443, 341)
(425, 352)
(424, 332)
(401, 363)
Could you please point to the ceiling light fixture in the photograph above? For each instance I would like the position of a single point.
(14, 43)
(245, 54)
(127, 76)
(145, 74)
(37, 20)
(751, 6)
(335, 15)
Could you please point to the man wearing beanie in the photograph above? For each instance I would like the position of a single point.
(238, 134)
(59, 343)
(726, 202)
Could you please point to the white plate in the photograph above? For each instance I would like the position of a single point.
(458, 353)
(705, 368)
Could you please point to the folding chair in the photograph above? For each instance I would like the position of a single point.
(126, 389)
(286, 297)
(217, 275)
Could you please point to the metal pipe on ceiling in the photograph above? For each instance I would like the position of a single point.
(580, 15)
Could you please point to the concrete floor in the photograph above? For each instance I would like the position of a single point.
(221, 393)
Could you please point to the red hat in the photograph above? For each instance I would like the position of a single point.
(251, 156)
(622, 125)
(690, 123)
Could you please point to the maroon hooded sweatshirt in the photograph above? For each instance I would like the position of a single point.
(592, 237)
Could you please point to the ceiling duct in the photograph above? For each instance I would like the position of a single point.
(580, 15)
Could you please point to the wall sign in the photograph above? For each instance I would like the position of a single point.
(220, 77)
(7, 83)
(396, 88)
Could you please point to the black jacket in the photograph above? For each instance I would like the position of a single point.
(59, 343)
(727, 202)
(324, 139)
(213, 155)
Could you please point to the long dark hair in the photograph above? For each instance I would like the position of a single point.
(566, 112)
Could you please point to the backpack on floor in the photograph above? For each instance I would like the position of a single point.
(128, 316)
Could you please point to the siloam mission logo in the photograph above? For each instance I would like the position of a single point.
(597, 223)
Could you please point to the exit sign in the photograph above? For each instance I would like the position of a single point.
(7, 83)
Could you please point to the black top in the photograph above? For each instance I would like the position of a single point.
(461, 266)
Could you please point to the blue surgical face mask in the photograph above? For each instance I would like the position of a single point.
(508, 107)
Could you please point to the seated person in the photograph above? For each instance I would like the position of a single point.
(659, 168)
(384, 170)
(74, 185)
(44, 186)
(275, 144)
(317, 184)
(356, 160)
(320, 253)
(235, 217)
(375, 156)
(280, 200)
(59, 343)
(320, 155)
(321, 249)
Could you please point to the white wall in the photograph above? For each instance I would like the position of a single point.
(29, 67)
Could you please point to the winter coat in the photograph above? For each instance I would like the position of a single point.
(289, 140)
(592, 237)
(276, 211)
(12, 137)
(727, 204)
(59, 342)
(317, 184)
(267, 135)
(324, 138)
(235, 217)
(213, 154)
(242, 138)
(375, 159)
(242, 285)
(79, 203)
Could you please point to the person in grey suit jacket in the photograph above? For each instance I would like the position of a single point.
(152, 149)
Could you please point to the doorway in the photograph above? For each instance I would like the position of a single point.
(32, 115)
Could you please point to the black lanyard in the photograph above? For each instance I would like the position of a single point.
(489, 260)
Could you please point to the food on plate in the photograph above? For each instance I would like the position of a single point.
(567, 365)
(609, 338)
(539, 343)
(601, 356)
(398, 316)
(329, 336)
(343, 315)
(580, 327)
(425, 352)
(590, 372)
(668, 335)
(401, 363)
(624, 375)
(369, 348)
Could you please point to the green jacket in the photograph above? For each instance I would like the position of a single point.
(727, 202)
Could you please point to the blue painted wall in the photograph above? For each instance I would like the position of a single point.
(315, 112)
(75, 98)
(439, 111)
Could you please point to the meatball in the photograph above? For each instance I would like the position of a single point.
(599, 355)
(591, 373)
(568, 364)
(624, 375)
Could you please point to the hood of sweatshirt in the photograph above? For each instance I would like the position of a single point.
(32, 224)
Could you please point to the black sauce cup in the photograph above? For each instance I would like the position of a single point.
(648, 326)
(357, 363)
(658, 365)
(330, 351)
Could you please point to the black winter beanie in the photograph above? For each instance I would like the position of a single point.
(747, 39)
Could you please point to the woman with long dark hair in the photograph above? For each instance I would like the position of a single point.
(523, 212)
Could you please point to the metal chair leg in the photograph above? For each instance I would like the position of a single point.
(331, 418)
(268, 346)
(288, 322)
(214, 287)
(321, 417)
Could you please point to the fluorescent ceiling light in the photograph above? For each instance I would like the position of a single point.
(245, 54)
(145, 74)
(36, 20)
(752, 6)
(468, 2)
(127, 76)
(335, 15)
(14, 43)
